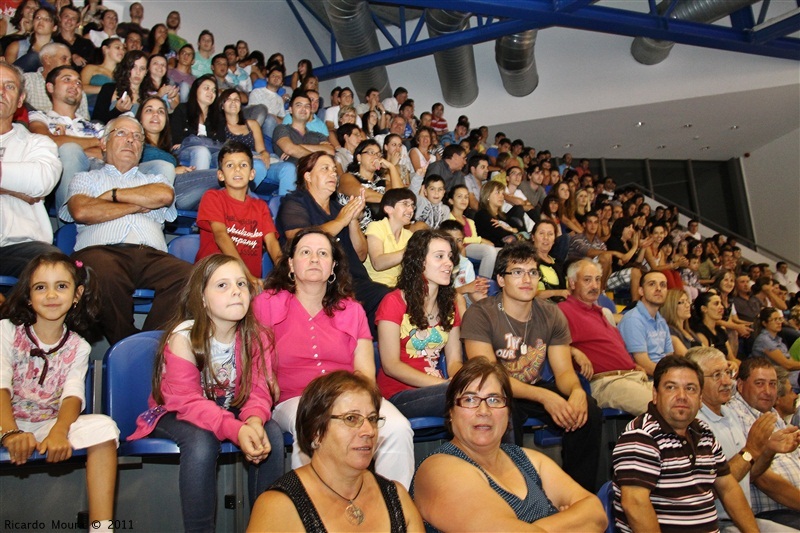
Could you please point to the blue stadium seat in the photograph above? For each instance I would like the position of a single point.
(127, 374)
(87, 409)
(606, 495)
(8, 281)
(185, 247)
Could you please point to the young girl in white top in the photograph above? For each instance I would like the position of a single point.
(43, 364)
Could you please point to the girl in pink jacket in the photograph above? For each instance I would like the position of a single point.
(213, 381)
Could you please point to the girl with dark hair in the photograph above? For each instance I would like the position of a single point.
(393, 152)
(475, 246)
(24, 53)
(232, 126)
(490, 221)
(625, 264)
(370, 120)
(93, 77)
(368, 172)
(387, 238)
(194, 122)
(319, 327)
(126, 92)
(158, 41)
(157, 83)
(724, 283)
(707, 310)
(304, 70)
(213, 381)
(189, 184)
(418, 327)
(43, 361)
(22, 21)
(258, 69)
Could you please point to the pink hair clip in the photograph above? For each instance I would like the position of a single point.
(79, 264)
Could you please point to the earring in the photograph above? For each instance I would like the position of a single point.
(332, 278)
(291, 276)
(314, 445)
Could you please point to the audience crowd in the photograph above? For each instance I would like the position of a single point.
(497, 282)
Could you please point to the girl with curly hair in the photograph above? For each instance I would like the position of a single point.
(418, 327)
(125, 93)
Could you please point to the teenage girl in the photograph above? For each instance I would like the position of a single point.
(43, 364)
(213, 381)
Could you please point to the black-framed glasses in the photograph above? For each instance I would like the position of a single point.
(519, 273)
(473, 401)
(355, 420)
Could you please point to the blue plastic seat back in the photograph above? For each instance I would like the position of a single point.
(65, 238)
(127, 376)
(606, 495)
(185, 247)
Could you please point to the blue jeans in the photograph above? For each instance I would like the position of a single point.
(283, 174)
(157, 166)
(191, 186)
(422, 401)
(198, 469)
(73, 160)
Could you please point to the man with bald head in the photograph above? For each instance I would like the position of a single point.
(120, 212)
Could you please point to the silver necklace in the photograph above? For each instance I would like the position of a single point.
(353, 512)
(523, 348)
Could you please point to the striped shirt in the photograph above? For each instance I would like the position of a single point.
(137, 228)
(679, 472)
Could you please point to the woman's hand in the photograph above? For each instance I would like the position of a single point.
(352, 209)
(56, 446)
(125, 103)
(180, 169)
(253, 440)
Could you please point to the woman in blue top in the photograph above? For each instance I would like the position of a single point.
(768, 344)
(515, 486)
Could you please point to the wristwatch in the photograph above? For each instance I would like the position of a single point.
(114, 195)
(747, 456)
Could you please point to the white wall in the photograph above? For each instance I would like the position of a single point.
(772, 179)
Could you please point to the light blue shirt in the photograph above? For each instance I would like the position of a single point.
(643, 333)
(137, 228)
(315, 124)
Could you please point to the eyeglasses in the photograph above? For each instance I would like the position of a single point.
(472, 401)
(355, 420)
(717, 376)
(519, 273)
(40, 17)
(373, 153)
(122, 132)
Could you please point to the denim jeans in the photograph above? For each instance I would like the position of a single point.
(73, 160)
(422, 401)
(198, 469)
(191, 186)
(162, 168)
(199, 157)
(283, 174)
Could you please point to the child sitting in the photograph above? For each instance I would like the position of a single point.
(467, 284)
(387, 237)
(430, 207)
(232, 222)
(43, 364)
(691, 282)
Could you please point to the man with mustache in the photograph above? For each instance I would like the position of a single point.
(749, 456)
(775, 494)
(668, 467)
(597, 347)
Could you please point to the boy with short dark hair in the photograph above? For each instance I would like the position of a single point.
(430, 206)
(230, 221)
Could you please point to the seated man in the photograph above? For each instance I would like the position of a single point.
(52, 55)
(531, 338)
(268, 96)
(588, 244)
(615, 379)
(745, 301)
(668, 467)
(749, 455)
(295, 140)
(450, 166)
(316, 124)
(120, 212)
(81, 49)
(30, 168)
(775, 495)
(644, 330)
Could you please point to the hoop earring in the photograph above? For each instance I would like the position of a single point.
(291, 276)
(332, 278)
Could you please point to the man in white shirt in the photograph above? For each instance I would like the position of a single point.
(29, 170)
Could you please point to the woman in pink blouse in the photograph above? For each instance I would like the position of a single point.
(319, 328)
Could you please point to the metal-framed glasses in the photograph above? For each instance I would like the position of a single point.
(519, 273)
(473, 401)
(355, 420)
(717, 376)
(122, 132)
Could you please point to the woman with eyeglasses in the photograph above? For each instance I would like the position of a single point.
(514, 487)
(418, 327)
(319, 328)
(338, 427)
(769, 344)
(372, 173)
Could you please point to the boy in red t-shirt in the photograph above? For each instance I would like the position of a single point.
(230, 221)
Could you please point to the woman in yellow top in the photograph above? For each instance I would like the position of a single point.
(387, 237)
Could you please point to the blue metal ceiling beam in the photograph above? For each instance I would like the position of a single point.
(424, 48)
(779, 29)
(307, 31)
(743, 18)
(618, 21)
(567, 6)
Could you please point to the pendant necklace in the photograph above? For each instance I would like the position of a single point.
(523, 348)
(353, 512)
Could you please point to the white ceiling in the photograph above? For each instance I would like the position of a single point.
(693, 128)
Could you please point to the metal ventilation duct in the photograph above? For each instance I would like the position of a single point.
(516, 62)
(456, 66)
(652, 51)
(351, 22)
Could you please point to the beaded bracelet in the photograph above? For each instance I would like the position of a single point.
(9, 432)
